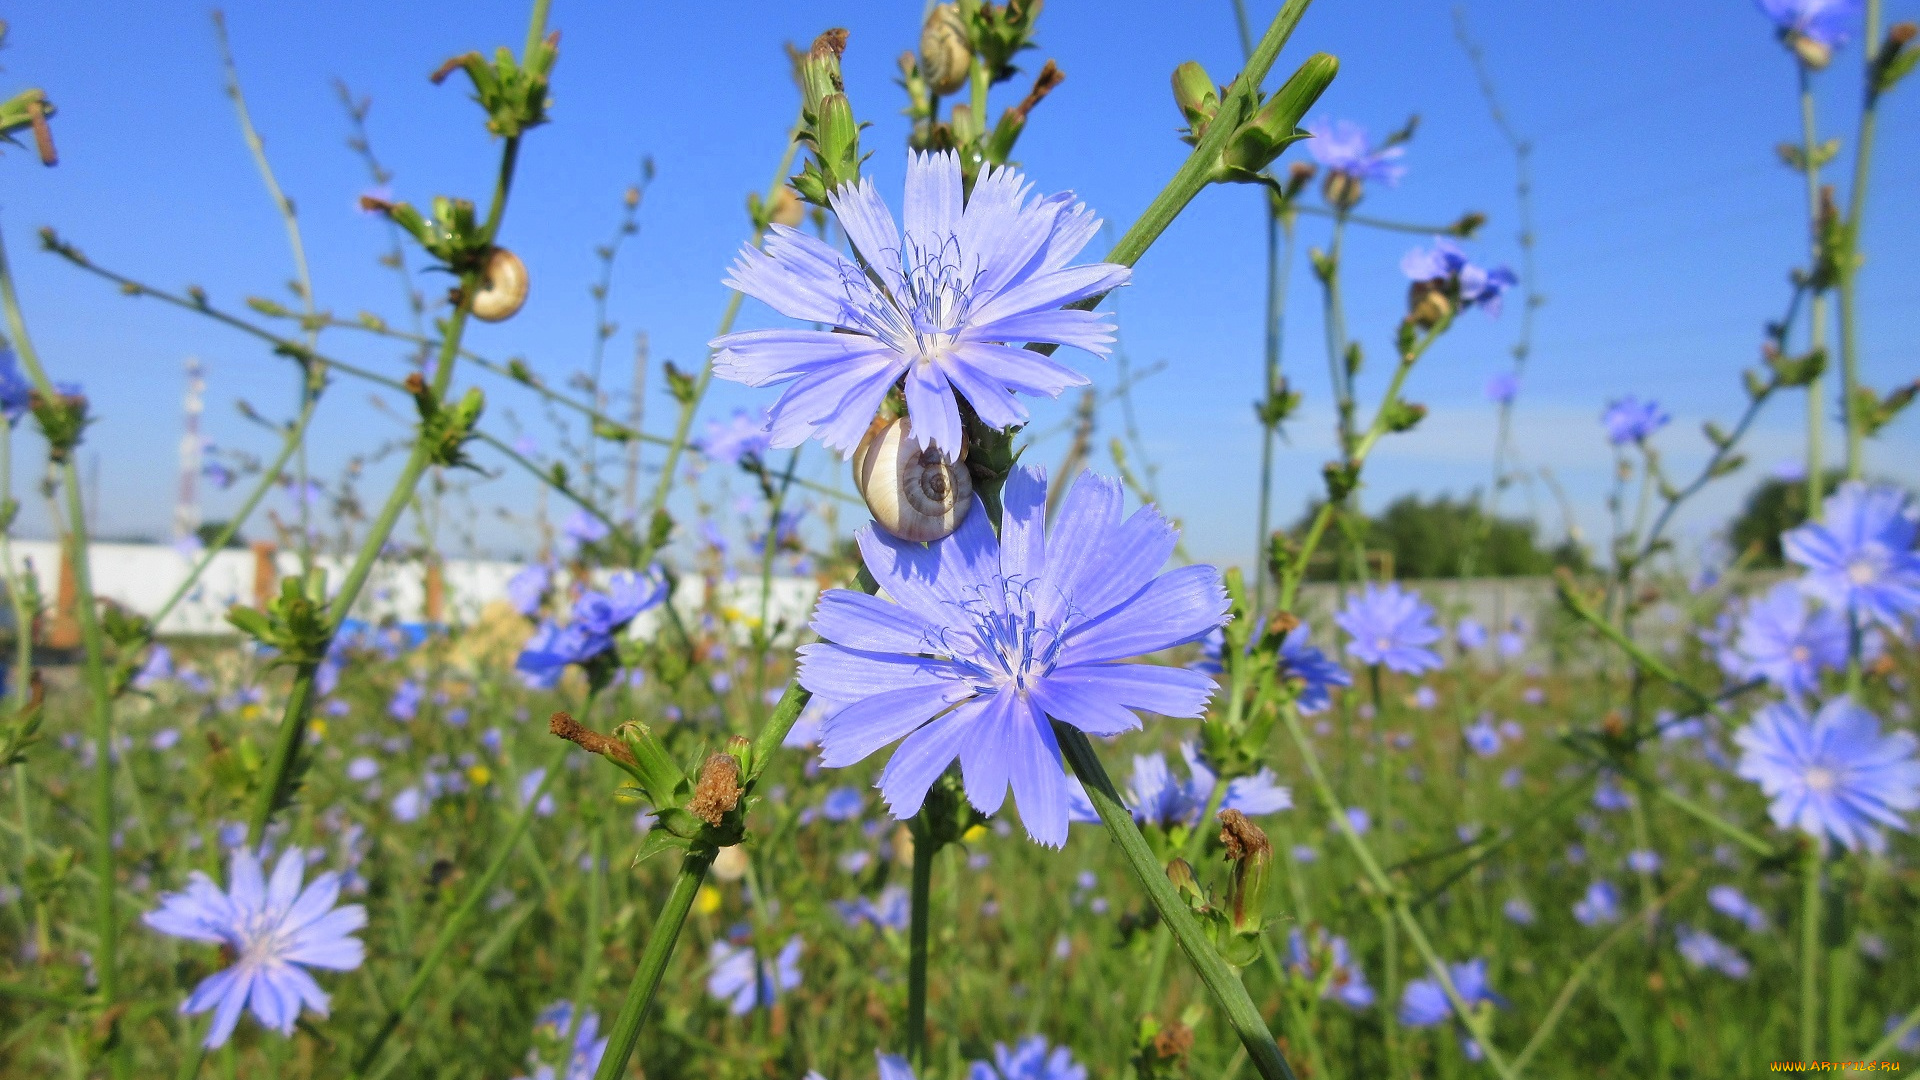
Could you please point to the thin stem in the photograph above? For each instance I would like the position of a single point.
(1584, 968)
(1810, 952)
(1848, 272)
(625, 1032)
(1220, 979)
(1475, 1021)
(1817, 310)
(470, 904)
(918, 925)
(100, 702)
(311, 379)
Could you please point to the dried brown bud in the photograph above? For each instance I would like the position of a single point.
(1342, 191)
(1283, 623)
(1050, 76)
(1900, 33)
(1427, 304)
(565, 726)
(1172, 1042)
(1242, 837)
(717, 791)
(788, 210)
(833, 42)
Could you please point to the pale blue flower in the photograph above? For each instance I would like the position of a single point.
(1424, 1002)
(1030, 1059)
(939, 308)
(1831, 774)
(743, 435)
(527, 589)
(989, 637)
(274, 930)
(1703, 950)
(1826, 22)
(1785, 642)
(1631, 420)
(1503, 388)
(1391, 627)
(1734, 904)
(1860, 556)
(746, 982)
(1343, 146)
(1156, 797)
(1346, 980)
(1479, 286)
(1600, 905)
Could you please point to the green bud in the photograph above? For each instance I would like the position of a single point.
(1180, 872)
(662, 778)
(945, 52)
(1276, 125)
(1252, 858)
(1197, 96)
(1341, 478)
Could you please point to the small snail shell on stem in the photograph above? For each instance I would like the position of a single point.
(914, 494)
(503, 287)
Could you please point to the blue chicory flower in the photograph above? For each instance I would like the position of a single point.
(1787, 644)
(1032, 1058)
(1600, 905)
(746, 982)
(938, 308)
(1831, 774)
(274, 929)
(1423, 1003)
(1703, 950)
(1447, 261)
(743, 435)
(527, 589)
(989, 637)
(1503, 388)
(1825, 22)
(1157, 798)
(405, 703)
(1391, 627)
(1860, 555)
(1343, 146)
(1734, 904)
(1482, 737)
(1346, 980)
(580, 527)
(1630, 420)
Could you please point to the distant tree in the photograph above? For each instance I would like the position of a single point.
(1446, 537)
(1772, 508)
(209, 531)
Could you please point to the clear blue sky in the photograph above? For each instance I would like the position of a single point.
(1666, 224)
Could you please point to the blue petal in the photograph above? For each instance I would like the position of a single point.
(1174, 609)
(1023, 541)
(869, 224)
(868, 623)
(923, 757)
(865, 726)
(985, 756)
(1039, 780)
(934, 417)
(1176, 692)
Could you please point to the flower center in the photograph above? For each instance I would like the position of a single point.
(921, 314)
(1861, 572)
(1821, 779)
(1800, 654)
(1011, 645)
(1383, 643)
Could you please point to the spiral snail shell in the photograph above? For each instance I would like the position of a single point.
(914, 494)
(503, 287)
(945, 52)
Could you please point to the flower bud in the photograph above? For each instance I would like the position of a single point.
(1427, 304)
(1195, 93)
(1342, 191)
(1277, 125)
(945, 53)
(788, 210)
(1252, 858)
(717, 791)
(820, 71)
(1180, 872)
(1814, 54)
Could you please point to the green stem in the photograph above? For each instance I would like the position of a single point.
(918, 925)
(1220, 979)
(1475, 1020)
(1197, 171)
(625, 1032)
(470, 904)
(1810, 952)
(1848, 272)
(100, 701)
(1584, 969)
(1817, 311)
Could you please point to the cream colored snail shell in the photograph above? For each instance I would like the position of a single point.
(503, 287)
(914, 494)
(945, 53)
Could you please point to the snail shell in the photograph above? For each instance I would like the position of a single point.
(503, 287)
(914, 494)
(944, 50)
